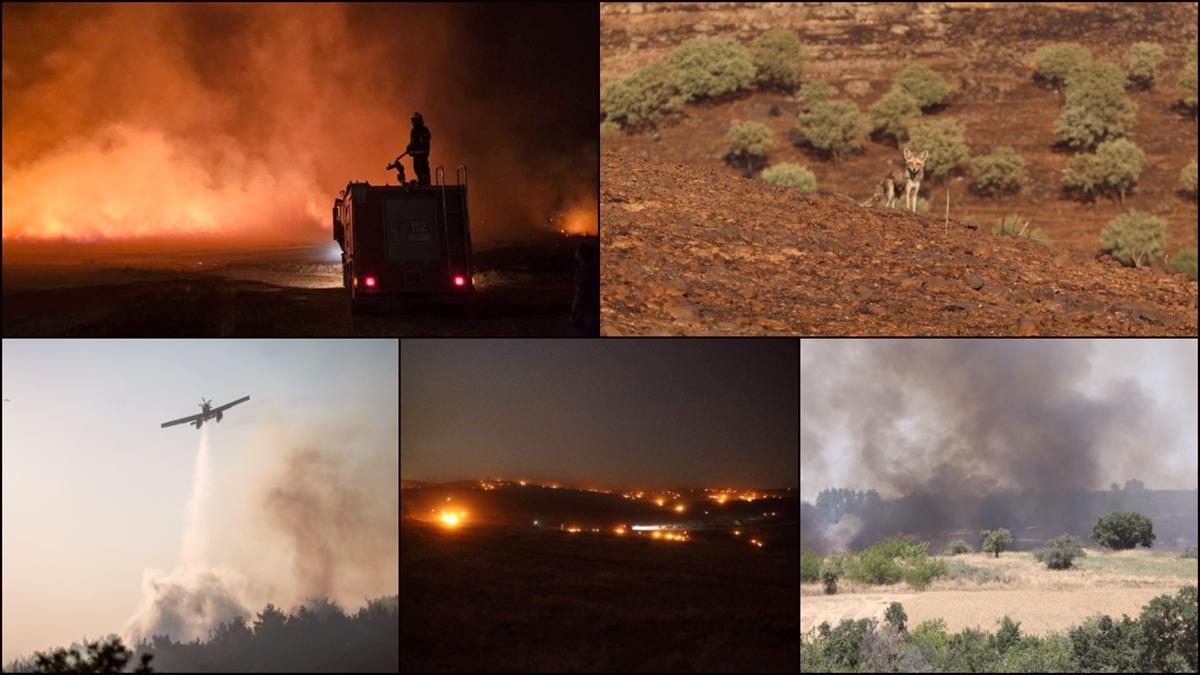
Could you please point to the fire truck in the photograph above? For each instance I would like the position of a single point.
(404, 240)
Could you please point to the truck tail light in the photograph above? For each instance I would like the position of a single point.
(460, 280)
(370, 282)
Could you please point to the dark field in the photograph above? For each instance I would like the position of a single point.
(519, 599)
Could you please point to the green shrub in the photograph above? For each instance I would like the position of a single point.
(1032, 654)
(892, 115)
(1187, 80)
(1187, 178)
(1103, 645)
(1122, 530)
(901, 547)
(969, 652)
(1016, 226)
(710, 67)
(1054, 62)
(875, 567)
(1169, 630)
(1060, 552)
(995, 541)
(791, 175)
(922, 571)
(778, 58)
(810, 565)
(608, 129)
(1000, 171)
(749, 142)
(926, 87)
(829, 577)
(957, 569)
(895, 617)
(1134, 238)
(812, 93)
(957, 547)
(1189, 552)
(1184, 261)
(1095, 108)
(642, 98)
(1144, 59)
(945, 140)
(1114, 169)
(844, 644)
(835, 127)
(1008, 635)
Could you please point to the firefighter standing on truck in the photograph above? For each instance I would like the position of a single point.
(418, 148)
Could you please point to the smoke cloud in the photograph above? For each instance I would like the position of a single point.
(242, 122)
(974, 417)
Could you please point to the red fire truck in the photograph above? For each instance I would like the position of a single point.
(404, 240)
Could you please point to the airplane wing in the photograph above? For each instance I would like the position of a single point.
(230, 405)
(181, 420)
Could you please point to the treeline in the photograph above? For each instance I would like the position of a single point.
(317, 637)
(1161, 640)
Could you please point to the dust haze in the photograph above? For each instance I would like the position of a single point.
(238, 124)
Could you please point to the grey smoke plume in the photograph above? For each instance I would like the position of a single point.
(972, 417)
(342, 525)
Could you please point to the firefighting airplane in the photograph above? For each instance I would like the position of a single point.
(207, 412)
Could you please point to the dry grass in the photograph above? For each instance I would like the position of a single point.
(1041, 599)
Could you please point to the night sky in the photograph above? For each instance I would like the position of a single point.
(602, 413)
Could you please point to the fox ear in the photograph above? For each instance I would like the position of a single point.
(924, 155)
(907, 154)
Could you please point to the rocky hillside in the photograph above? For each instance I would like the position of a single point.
(983, 50)
(690, 249)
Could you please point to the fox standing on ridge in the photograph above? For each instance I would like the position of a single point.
(907, 178)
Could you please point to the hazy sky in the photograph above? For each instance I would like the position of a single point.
(904, 415)
(95, 491)
(656, 412)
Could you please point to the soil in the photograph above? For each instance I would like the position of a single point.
(693, 250)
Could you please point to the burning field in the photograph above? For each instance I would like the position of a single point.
(138, 135)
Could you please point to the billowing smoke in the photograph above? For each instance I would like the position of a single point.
(962, 435)
(969, 417)
(335, 527)
(192, 599)
(333, 517)
(240, 123)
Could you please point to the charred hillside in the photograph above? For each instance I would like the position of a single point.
(693, 249)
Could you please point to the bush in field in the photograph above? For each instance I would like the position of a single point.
(1169, 632)
(892, 115)
(922, 571)
(957, 569)
(845, 642)
(926, 87)
(1001, 171)
(895, 616)
(749, 142)
(642, 98)
(829, 577)
(1184, 261)
(1187, 80)
(608, 129)
(1054, 62)
(1007, 636)
(1103, 645)
(1060, 552)
(1144, 59)
(957, 547)
(1189, 552)
(778, 58)
(791, 175)
(995, 541)
(969, 652)
(1096, 108)
(1134, 238)
(835, 127)
(710, 67)
(812, 93)
(810, 565)
(874, 567)
(1187, 178)
(1113, 169)
(1018, 227)
(1032, 654)
(1121, 530)
(945, 140)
